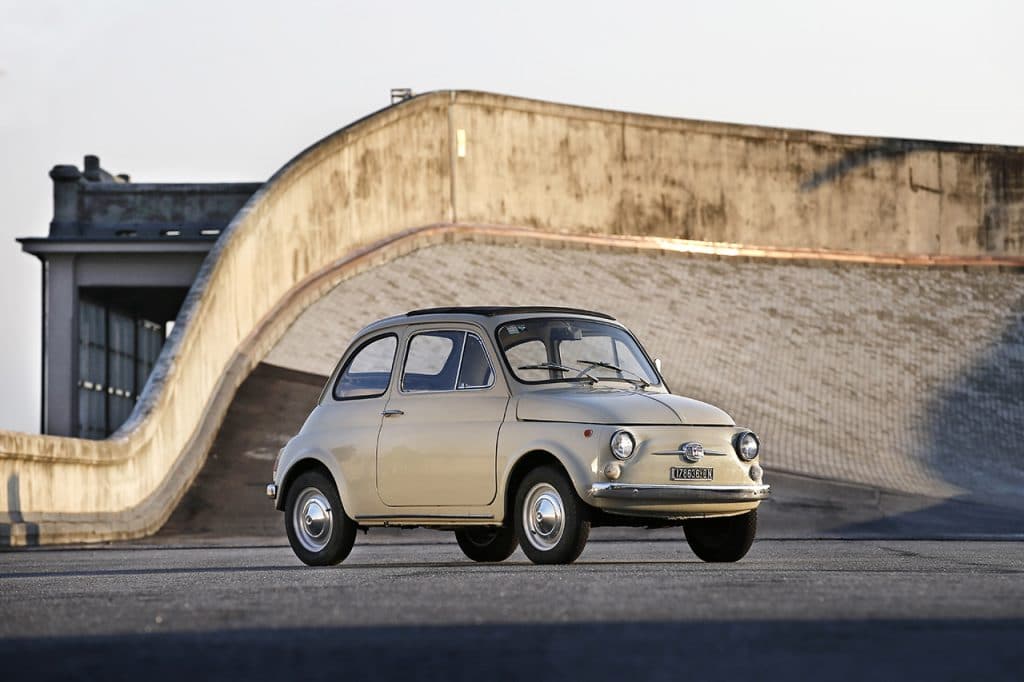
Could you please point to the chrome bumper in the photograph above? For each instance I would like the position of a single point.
(272, 491)
(679, 494)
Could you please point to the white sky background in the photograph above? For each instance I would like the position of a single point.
(217, 91)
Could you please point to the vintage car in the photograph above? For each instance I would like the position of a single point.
(512, 425)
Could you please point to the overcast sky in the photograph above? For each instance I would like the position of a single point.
(205, 90)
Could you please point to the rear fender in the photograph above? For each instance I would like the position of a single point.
(293, 463)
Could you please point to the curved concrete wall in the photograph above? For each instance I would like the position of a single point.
(358, 197)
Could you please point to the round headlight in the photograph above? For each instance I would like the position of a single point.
(623, 444)
(747, 446)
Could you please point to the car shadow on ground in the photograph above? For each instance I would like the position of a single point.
(704, 650)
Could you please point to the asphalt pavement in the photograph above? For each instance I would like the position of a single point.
(410, 606)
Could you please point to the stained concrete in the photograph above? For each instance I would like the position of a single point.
(585, 170)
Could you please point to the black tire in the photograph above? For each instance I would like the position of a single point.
(312, 489)
(562, 547)
(486, 543)
(725, 538)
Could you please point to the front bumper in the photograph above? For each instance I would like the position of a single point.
(679, 494)
(272, 491)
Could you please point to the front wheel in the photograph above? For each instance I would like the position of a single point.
(723, 538)
(486, 543)
(319, 531)
(552, 522)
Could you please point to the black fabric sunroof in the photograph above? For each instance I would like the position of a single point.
(494, 311)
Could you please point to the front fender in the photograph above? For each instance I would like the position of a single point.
(579, 455)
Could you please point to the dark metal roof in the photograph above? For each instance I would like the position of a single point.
(494, 311)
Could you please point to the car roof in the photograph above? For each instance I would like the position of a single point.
(497, 311)
(485, 314)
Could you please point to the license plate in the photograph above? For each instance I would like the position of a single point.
(693, 474)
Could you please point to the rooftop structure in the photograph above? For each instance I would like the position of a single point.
(119, 258)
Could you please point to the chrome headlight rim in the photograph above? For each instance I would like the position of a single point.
(632, 447)
(737, 445)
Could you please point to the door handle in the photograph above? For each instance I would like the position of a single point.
(392, 413)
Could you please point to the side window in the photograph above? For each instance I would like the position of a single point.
(476, 371)
(432, 361)
(528, 353)
(368, 373)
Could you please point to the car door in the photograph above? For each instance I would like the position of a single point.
(347, 421)
(438, 440)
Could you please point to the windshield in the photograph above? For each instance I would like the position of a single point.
(557, 349)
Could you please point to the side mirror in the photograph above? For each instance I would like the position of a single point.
(657, 364)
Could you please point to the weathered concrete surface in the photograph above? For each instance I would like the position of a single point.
(585, 170)
(315, 221)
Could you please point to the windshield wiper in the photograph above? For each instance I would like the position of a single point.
(563, 368)
(547, 365)
(639, 381)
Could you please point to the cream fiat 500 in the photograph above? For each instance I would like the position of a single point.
(512, 426)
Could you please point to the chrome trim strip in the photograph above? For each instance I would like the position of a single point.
(272, 491)
(679, 493)
(714, 453)
(447, 517)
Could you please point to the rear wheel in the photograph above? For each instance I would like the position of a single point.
(724, 538)
(487, 543)
(319, 530)
(552, 522)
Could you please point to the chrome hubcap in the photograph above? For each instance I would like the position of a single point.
(544, 516)
(313, 520)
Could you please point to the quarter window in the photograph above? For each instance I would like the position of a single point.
(475, 371)
(368, 373)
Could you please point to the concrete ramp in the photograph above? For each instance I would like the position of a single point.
(890, 400)
(227, 498)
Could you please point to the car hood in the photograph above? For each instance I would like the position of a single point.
(602, 405)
